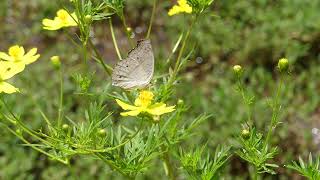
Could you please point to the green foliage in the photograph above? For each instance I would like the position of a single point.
(255, 151)
(308, 169)
(204, 168)
(251, 33)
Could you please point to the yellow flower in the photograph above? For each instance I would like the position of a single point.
(182, 7)
(63, 19)
(143, 104)
(17, 54)
(8, 70)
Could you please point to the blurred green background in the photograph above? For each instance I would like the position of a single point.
(253, 33)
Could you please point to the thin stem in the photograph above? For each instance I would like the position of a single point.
(61, 98)
(107, 68)
(177, 65)
(152, 18)
(275, 111)
(168, 165)
(114, 39)
(124, 23)
(245, 100)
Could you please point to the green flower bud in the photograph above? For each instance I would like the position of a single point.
(102, 132)
(245, 133)
(237, 70)
(55, 60)
(283, 65)
(180, 102)
(129, 29)
(65, 127)
(19, 132)
(88, 18)
(156, 119)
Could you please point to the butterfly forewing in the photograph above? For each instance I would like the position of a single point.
(137, 69)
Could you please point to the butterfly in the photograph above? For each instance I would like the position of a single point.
(135, 71)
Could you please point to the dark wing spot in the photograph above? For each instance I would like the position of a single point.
(120, 76)
(8, 69)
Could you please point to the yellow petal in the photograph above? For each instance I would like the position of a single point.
(32, 52)
(9, 69)
(159, 109)
(131, 113)
(51, 25)
(126, 106)
(29, 60)
(16, 51)
(5, 56)
(7, 88)
(174, 10)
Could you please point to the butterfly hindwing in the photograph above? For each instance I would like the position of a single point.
(137, 69)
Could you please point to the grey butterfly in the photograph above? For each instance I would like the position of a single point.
(135, 71)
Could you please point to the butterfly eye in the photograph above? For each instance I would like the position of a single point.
(120, 76)
(127, 66)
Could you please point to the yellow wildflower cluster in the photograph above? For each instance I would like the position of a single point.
(182, 7)
(12, 63)
(63, 19)
(143, 104)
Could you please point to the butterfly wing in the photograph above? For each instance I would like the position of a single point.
(136, 71)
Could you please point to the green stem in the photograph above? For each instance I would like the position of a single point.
(124, 23)
(275, 111)
(170, 172)
(107, 68)
(114, 39)
(152, 18)
(247, 104)
(61, 98)
(177, 65)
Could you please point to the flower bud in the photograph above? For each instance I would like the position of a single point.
(156, 119)
(65, 127)
(88, 18)
(180, 102)
(245, 133)
(129, 29)
(283, 65)
(19, 132)
(55, 60)
(237, 70)
(102, 132)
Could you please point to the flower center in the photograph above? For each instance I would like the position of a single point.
(15, 52)
(145, 98)
(62, 15)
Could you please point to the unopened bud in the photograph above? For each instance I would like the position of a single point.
(102, 132)
(55, 60)
(88, 18)
(245, 133)
(65, 127)
(283, 65)
(156, 119)
(180, 102)
(237, 70)
(129, 29)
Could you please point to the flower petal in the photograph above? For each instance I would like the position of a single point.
(5, 56)
(7, 88)
(32, 52)
(9, 69)
(174, 10)
(51, 25)
(126, 106)
(131, 113)
(159, 109)
(29, 60)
